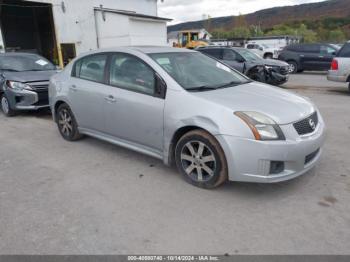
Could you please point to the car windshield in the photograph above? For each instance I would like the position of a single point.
(18, 63)
(248, 55)
(197, 72)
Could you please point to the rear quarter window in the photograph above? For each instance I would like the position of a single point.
(292, 48)
(345, 51)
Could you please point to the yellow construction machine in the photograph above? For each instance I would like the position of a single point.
(190, 39)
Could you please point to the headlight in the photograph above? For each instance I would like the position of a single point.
(18, 86)
(263, 127)
(268, 67)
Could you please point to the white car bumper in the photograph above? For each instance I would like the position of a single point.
(250, 160)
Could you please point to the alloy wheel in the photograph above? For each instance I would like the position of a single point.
(198, 161)
(5, 105)
(291, 68)
(65, 122)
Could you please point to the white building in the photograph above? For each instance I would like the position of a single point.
(61, 29)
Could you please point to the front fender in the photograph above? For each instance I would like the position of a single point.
(199, 122)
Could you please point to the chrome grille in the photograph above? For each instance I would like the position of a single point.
(307, 125)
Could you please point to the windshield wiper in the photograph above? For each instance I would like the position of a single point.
(231, 84)
(34, 70)
(201, 88)
(8, 69)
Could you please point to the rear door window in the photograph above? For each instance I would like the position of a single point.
(214, 52)
(229, 55)
(327, 50)
(311, 48)
(345, 51)
(293, 48)
(91, 68)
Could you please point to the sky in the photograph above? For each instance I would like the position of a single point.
(192, 10)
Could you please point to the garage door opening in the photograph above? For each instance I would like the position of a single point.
(28, 27)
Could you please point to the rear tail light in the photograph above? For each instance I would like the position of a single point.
(334, 65)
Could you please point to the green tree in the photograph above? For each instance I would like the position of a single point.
(336, 36)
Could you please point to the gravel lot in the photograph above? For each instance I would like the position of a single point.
(91, 197)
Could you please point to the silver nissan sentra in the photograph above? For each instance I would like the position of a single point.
(185, 108)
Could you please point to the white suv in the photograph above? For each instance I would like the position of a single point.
(263, 50)
(340, 68)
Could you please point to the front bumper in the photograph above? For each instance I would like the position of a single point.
(277, 78)
(27, 100)
(250, 160)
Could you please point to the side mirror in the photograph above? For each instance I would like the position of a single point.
(261, 49)
(160, 87)
(240, 60)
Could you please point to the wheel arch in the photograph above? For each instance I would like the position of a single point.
(56, 105)
(268, 54)
(180, 132)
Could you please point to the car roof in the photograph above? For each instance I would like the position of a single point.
(143, 49)
(221, 47)
(19, 54)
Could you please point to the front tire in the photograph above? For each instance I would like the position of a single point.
(67, 124)
(293, 67)
(5, 106)
(201, 160)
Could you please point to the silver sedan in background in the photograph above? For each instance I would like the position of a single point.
(186, 108)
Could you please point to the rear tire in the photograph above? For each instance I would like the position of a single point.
(293, 67)
(5, 106)
(349, 87)
(66, 123)
(201, 160)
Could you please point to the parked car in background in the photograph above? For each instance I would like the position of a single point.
(184, 107)
(263, 50)
(24, 81)
(269, 71)
(314, 57)
(340, 68)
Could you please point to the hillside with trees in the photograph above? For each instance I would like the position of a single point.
(327, 21)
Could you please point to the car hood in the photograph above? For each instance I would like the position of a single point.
(282, 106)
(273, 62)
(29, 76)
(268, 62)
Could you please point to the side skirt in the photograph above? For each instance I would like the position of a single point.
(123, 143)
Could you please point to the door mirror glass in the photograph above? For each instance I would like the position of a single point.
(240, 59)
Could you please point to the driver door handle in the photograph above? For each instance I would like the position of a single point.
(73, 88)
(110, 99)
